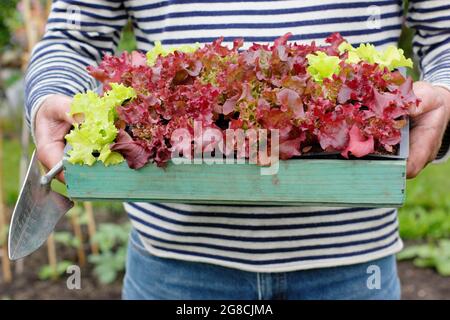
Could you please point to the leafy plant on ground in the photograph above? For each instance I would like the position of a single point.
(431, 255)
(67, 239)
(426, 213)
(112, 240)
(426, 217)
(47, 272)
(420, 223)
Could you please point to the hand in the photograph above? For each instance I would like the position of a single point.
(428, 125)
(52, 124)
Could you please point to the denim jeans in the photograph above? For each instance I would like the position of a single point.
(151, 277)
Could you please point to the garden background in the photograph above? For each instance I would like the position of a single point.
(94, 236)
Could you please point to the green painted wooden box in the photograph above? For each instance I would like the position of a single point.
(327, 182)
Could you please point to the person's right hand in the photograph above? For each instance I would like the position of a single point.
(52, 124)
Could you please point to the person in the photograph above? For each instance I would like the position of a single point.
(183, 251)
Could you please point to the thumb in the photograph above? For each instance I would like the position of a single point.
(429, 100)
(51, 125)
(50, 155)
(56, 107)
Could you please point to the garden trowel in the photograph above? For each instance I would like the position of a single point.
(37, 211)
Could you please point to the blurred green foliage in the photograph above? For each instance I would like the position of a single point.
(405, 42)
(426, 213)
(112, 240)
(11, 162)
(425, 217)
(7, 10)
(47, 272)
(127, 40)
(431, 255)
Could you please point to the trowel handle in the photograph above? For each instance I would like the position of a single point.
(45, 180)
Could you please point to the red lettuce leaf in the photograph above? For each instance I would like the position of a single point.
(135, 152)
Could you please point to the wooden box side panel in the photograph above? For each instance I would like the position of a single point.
(298, 182)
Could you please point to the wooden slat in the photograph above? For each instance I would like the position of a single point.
(298, 182)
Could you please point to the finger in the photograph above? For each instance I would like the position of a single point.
(429, 98)
(49, 154)
(423, 148)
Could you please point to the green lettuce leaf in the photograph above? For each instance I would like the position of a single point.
(97, 130)
(394, 58)
(391, 57)
(158, 50)
(322, 66)
(109, 157)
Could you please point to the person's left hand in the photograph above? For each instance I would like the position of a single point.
(428, 124)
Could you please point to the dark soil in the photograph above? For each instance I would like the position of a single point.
(422, 284)
(27, 284)
(417, 283)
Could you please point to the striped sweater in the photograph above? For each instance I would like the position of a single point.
(253, 238)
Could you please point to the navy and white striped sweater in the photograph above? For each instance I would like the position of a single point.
(263, 239)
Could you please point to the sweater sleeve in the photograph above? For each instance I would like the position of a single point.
(78, 33)
(431, 44)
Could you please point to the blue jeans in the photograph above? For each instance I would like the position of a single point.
(151, 277)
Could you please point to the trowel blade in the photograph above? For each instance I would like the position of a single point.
(37, 211)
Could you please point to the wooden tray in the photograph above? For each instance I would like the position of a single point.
(316, 182)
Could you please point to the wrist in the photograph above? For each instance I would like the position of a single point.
(34, 113)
